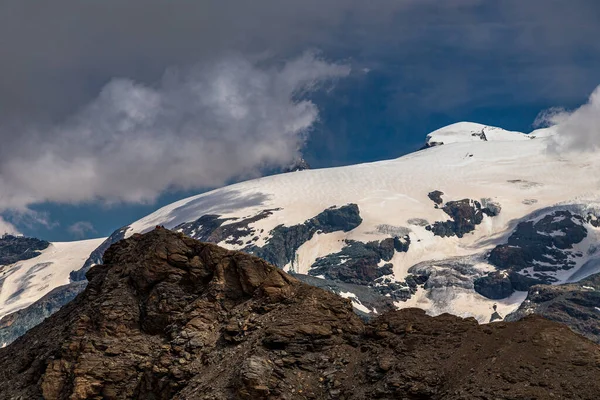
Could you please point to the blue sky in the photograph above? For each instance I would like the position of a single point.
(382, 77)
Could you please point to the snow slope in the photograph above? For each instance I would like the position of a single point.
(513, 169)
(25, 282)
(472, 132)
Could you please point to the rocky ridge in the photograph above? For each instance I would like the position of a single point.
(170, 317)
(18, 248)
(574, 304)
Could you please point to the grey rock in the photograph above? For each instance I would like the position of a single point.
(575, 304)
(18, 248)
(465, 214)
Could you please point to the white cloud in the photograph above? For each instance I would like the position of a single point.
(81, 229)
(198, 127)
(577, 130)
(7, 227)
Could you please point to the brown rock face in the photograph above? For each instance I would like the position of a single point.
(169, 317)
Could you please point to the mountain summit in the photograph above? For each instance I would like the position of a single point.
(168, 317)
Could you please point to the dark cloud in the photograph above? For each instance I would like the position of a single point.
(197, 127)
(56, 55)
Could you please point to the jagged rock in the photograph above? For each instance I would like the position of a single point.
(543, 245)
(210, 228)
(593, 220)
(436, 197)
(18, 248)
(465, 215)
(281, 247)
(358, 262)
(97, 254)
(491, 208)
(154, 320)
(298, 165)
(373, 298)
(575, 304)
(255, 374)
(501, 284)
(430, 144)
(481, 135)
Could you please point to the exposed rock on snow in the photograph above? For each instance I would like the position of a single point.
(465, 215)
(436, 197)
(284, 241)
(468, 131)
(574, 304)
(214, 229)
(545, 244)
(18, 248)
(298, 165)
(535, 252)
(359, 263)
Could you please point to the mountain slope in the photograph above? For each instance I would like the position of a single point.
(27, 279)
(465, 226)
(168, 317)
(444, 209)
(574, 304)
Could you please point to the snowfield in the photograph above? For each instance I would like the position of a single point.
(25, 282)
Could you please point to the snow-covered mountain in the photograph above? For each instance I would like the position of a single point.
(464, 226)
(31, 269)
(458, 227)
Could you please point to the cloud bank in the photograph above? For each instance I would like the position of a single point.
(577, 130)
(7, 227)
(197, 127)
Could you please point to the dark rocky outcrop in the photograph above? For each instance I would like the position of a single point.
(19, 248)
(429, 144)
(358, 262)
(436, 197)
(298, 165)
(281, 247)
(284, 241)
(168, 317)
(543, 245)
(481, 135)
(575, 304)
(444, 274)
(96, 256)
(593, 220)
(501, 284)
(465, 215)
(372, 298)
(210, 228)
